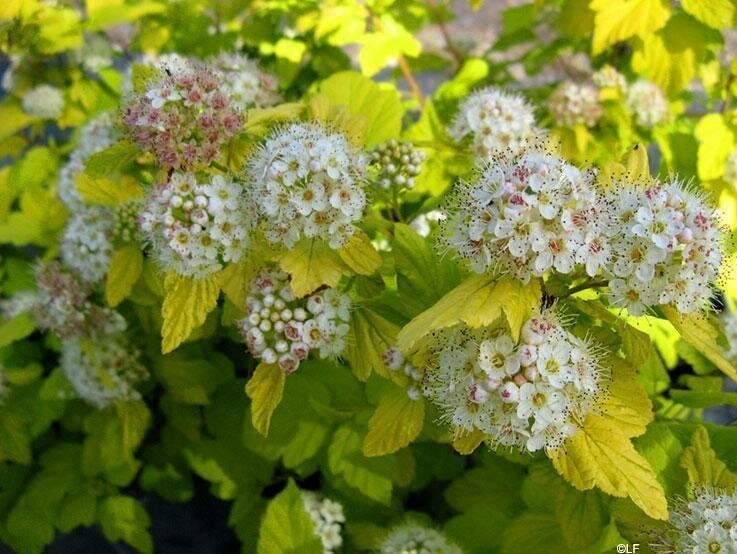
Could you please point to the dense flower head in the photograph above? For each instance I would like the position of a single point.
(499, 123)
(307, 182)
(529, 395)
(103, 369)
(647, 102)
(730, 169)
(281, 329)
(245, 83)
(86, 246)
(668, 247)
(185, 115)
(397, 164)
(196, 227)
(62, 305)
(415, 538)
(527, 215)
(575, 104)
(328, 517)
(44, 101)
(705, 525)
(125, 221)
(609, 77)
(96, 135)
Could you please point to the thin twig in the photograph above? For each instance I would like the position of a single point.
(449, 45)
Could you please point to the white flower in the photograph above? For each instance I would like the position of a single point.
(244, 82)
(497, 357)
(327, 517)
(44, 101)
(103, 369)
(86, 246)
(278, 328)
(307, 182)
(552, 363)
(648, 103)
(575, 104)
(415, 538)
(195, 228)
(499, 123)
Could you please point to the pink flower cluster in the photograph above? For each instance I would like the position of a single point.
(183, 117)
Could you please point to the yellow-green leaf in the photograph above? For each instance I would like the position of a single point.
(265, 389)
(312, 264)
(698, 331)
(618, 20)
(396, 422)
(477, 301)
(370, 335)
(716, 141)
(465, 444)
(600, 455)
(702, 464)
(101, 190)
(359, 254)
(718, 14)
(125, 269)
(638, 164)
(186, 305)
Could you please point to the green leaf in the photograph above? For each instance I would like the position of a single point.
(368, 475)
(716, 142)
(477, 301)
(359, 254)
(265, 389)
(369, 336)
(287, 527)
(390, 41)
(718, 14)
(703, 399)
(14, 440)
(106, 191)
(14, 119)
(126, 267)
(380, 107)
(396, 422)
(187, 303)
(534, 532)
(17, 328)
(702, 464)
(618, 20)
(698, 331)
(123, 518)
(306, 443)
(190, 380)
(111, 160)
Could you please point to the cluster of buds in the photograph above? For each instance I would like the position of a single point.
(96, 135)
(308, 182)
(397, 164)
(102, 369)
(281, 329)
(184, 117)
(395, 361)
(125, 222)
(194, 228)
(647, 102)
(706, 524)
(575, 104)
(415, 538)
(328, 519)
(499, 123)
(44, 101)
(655, 243)
(247, 85)
(528, 395)
(608, 77)
(86, 246)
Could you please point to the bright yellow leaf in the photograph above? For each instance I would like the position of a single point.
(125, 269)
(465, 444)
(370, 335)
(359, 254)
(312, 264)
(265, 389)
(107, 192)
(187, 303)
(396, 422)
(618, 20)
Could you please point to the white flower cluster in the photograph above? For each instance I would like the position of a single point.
(279, 328)
(44, 101)
(530, 395)
(395, 361)
(608, 77)
(499, 123)
(244, 82)
(328, 518)
(95, 136)
(86, 246)
(658, 244)
(308, 182)
(397, 164)
(194, 227)
(707, 524)
(415, 538)
(102, 369)
(575, 104)
(648, 103)
(730, 169)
